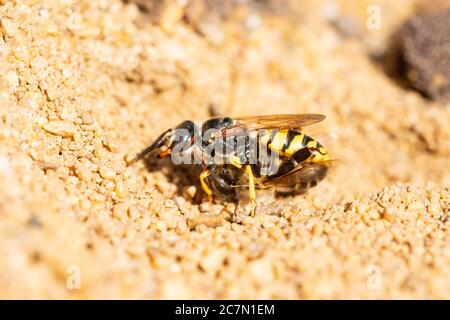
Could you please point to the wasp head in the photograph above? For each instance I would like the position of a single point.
(163, 146)
(211, 129)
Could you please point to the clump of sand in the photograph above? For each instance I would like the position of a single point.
(86, 85)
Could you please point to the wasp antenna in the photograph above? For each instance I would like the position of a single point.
(142, 154)
(132, 162)
(146, 151)
(135, 159)
(159, 142)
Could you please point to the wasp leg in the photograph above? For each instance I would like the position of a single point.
(205, 174)
(251, 188)
(235, 161)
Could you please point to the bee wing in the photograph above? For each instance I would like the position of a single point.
(275, 121)
(308, 173)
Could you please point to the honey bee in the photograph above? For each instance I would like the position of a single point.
(251, 152)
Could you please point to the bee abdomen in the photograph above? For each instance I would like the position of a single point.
(305, 181)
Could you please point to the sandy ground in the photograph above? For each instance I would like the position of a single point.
(85, 85)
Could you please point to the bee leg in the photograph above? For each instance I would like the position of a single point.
(203, 175)
(251, 189)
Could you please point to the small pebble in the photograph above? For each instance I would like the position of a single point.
(210, 220)
(39, 63)
(189, 192)
(9, 28)
(107, 172)
(111, 145)
(60, 128)
(87, 118)
(121, 190)
(12, 79)
(83, 172)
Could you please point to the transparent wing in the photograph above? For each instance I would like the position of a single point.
(276, 121)
(308, 174)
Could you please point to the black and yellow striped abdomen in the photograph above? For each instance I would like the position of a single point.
(287, 142)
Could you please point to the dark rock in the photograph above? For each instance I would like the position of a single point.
(425, 45)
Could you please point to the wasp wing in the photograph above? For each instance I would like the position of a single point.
(309, 174)
(306, 174)
(276, 121)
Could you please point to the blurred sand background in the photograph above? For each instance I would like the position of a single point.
(85, 85)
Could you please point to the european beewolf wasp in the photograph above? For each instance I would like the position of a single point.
(252, 152)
